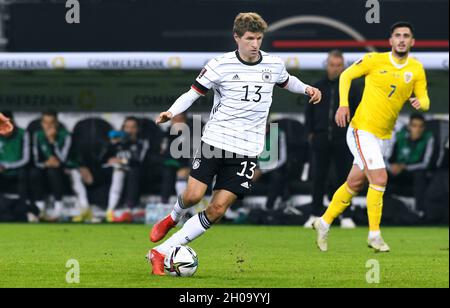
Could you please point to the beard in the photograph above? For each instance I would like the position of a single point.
(401, 54)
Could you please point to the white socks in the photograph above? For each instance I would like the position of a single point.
(79, 189)
(115, 192)
(58, 208)
(374, 234)
(192, 229)
(41, 206)
(179, 210)
(324, 223)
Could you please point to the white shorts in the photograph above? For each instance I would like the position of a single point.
(367, 149)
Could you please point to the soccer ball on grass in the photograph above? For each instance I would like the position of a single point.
(181, 261)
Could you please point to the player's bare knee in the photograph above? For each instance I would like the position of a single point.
(191, 198)
(355, 184)
(216, 211)
(380, 179)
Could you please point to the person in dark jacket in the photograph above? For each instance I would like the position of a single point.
(327, 140)
(125, 154)
(53, 160)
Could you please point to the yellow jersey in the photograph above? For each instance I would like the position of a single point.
(389, 83)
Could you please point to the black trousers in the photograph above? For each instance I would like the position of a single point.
(436, 198)
(277, 186)
(15, 184)
(325, 154)
(54, 177)
(15, 210)
(168, 180)
(413, 183)
(133, 186)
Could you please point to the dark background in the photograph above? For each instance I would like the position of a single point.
(185, 25)
(201, 25)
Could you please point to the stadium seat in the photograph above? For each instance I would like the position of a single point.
(297, 144)
(439, 128)
(150, 131)
(297, 155)
(90, 136)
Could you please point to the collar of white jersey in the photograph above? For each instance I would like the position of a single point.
(399, 66)
(249, 63)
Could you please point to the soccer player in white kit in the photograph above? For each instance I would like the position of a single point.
(243, 82)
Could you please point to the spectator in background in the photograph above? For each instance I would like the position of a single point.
(175, 171)
(327, 140)
(125, 154)
(14, 158)
(52, 160)
(409, 163)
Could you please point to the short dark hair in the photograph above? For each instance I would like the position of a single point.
(50, 113)
(416, 116)
(402, 24)
(131, 118)
(335, 53)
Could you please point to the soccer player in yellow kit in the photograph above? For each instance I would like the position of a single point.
(391, 78)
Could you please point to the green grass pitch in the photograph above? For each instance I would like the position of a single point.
(230, 256)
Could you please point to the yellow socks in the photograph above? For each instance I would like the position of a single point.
(344, 195)
(341, 200)
(375, 206)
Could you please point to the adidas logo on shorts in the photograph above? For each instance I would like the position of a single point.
(245, 185)
(236, 77)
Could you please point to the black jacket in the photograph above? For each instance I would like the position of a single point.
(320, 117)
(134, 152)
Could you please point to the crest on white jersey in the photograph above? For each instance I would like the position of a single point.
(266, 76)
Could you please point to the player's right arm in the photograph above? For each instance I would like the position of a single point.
(205, 80)
(359, 68)
(181, 105)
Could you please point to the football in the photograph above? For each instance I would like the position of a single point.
(181, 261)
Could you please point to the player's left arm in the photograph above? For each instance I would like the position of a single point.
(426, 159)
(295, 85)
(421, 101)
(63, 153)
(25, 159)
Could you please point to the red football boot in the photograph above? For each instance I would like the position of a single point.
(157, 261)
(160, 230)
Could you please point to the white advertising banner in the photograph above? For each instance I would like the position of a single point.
(174, 60)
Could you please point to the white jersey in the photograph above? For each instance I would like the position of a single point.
(242, 99)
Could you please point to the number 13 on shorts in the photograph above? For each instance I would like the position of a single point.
(247, 172)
